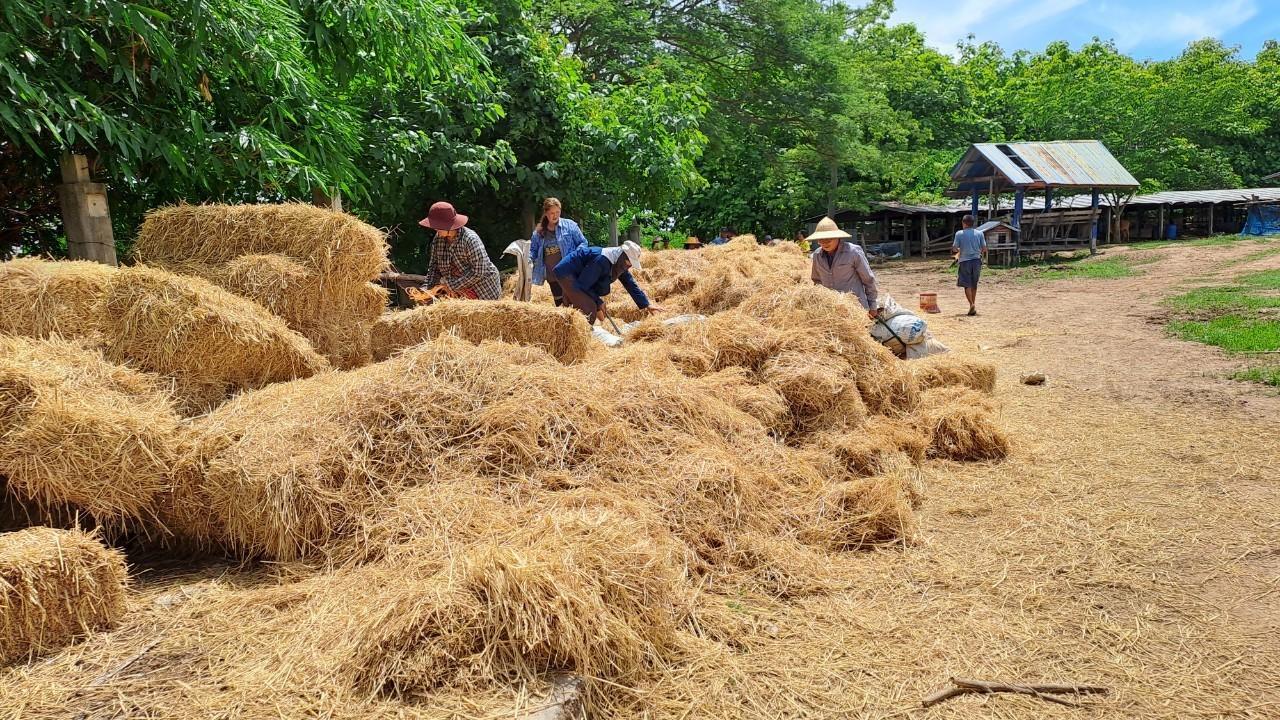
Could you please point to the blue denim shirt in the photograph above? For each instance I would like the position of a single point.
(568, 236)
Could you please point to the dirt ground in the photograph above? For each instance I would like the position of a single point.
(1131, 540)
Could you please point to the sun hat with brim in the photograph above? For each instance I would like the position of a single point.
(442, 216)
(828, 230)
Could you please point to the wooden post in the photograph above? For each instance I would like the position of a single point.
(974, 210)
(527, 215)
(924, 236)
(85, 213)
(1018, 198)
(1109, 218)
(321, 198)
(1093, 226)
(1048, 198)
(1210, 218)
(991, 200)
(1160, 225)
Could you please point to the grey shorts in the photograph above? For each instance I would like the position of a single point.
(970, 271)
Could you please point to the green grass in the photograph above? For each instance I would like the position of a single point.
(1220, 300)
(1105, 269)
(1211, 241)
(1265, 280)
(1231, 332)
(1080, 265)
(1267, 375)
(1244, 318)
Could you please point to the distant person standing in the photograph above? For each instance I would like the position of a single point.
(803, 242)
(553, 239)
(725, 236)
(968, 249)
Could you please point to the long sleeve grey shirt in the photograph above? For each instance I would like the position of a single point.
(846, 271)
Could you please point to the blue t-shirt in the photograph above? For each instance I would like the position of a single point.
(970, 243)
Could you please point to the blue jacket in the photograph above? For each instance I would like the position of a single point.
(568, 236)
(592, 273)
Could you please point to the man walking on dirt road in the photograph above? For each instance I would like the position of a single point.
(968, 249)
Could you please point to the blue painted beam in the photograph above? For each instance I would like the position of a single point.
(1093, 229)
(1048, 198)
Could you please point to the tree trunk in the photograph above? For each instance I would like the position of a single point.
(613, 228)
(833, 182)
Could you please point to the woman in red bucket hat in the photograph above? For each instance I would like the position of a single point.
(458, 258)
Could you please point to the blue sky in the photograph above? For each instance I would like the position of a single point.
(1146, 29)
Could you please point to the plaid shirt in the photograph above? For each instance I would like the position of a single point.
(462, 263)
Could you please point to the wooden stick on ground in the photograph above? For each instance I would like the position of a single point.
(964, 686)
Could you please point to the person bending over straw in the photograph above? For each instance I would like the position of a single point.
(458, 258)
(553, 238)
(842, 266)
(586, 274)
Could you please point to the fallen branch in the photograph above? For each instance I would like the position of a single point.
(1045, 692)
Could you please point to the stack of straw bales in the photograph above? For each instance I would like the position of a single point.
(207, 342)
(79, 432)
(477, 515)
(562, 332)
(55, 586)
(310, 266)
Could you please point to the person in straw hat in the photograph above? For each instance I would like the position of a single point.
(586, 274)
(842, 266)
(458, 258)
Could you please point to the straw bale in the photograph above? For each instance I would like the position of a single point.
(334, 244)
(873, 448)
(582, 592)
(209, 341)
(77, 431)
(762, 402)
(864, 512)
(952, 370)
(55, 586)
(961, 425)
(40, 298)
(334, 314)
(731, 339)
(819, 391)
(560, 331)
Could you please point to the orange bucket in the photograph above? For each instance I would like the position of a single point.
(929, 302)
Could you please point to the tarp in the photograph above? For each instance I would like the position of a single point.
(1262, 220)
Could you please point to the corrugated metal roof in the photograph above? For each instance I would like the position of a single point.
(1074, 164)
(1077, 202)
(1183, 197)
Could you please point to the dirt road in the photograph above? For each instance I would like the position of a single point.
(1131, 540)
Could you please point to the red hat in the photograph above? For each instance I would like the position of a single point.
(442, 216)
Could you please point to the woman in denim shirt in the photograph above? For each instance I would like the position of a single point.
(552, 240)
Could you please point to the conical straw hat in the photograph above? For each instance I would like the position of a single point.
(827, 228)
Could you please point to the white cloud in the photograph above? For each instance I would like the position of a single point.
(1132, 26)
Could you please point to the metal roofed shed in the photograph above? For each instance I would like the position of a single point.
(1069, 165)
(1064, 164)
